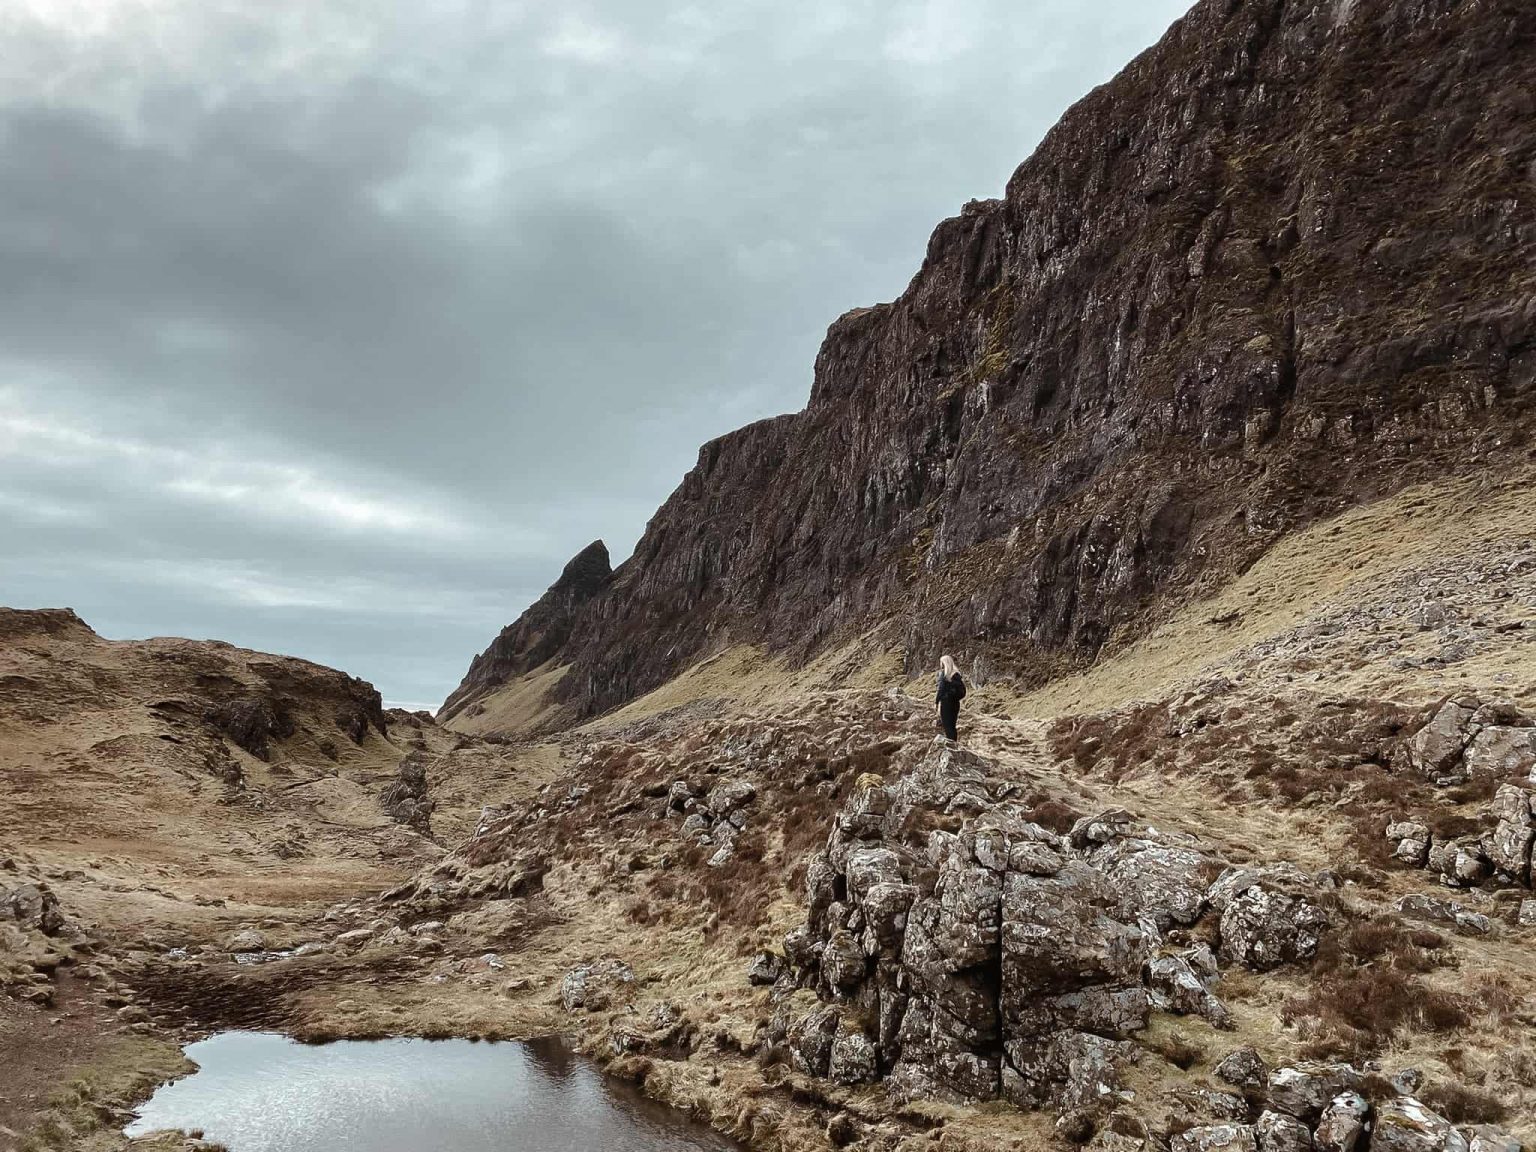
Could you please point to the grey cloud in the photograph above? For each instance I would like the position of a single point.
(508, 263)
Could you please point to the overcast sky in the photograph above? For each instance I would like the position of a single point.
(335, 327)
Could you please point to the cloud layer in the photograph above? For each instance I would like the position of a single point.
(334, 329)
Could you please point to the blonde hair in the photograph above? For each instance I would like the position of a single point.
(948, 666)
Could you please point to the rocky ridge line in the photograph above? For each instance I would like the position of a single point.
(1280, 264)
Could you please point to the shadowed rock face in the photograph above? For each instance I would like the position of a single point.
(540, 633)
(1281, 264)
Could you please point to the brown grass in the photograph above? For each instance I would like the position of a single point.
(1462, 1105)
(1111, 744)
(1366, 989)
(1179, 1051)
(1052, 813)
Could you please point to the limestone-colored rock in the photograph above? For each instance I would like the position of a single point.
(1215, 1138)
(1262, 928)
(1343, 1124)
(1406, 1124)
(1304, 1090)
(1278, 1132)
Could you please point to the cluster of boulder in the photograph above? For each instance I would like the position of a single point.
(1466, 739)
(1463, 740)
(1322, 1107)
(1503, 853)
(713, 818)
(31, 922)
(958, 950)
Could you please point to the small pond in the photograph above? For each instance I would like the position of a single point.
(259, 1092)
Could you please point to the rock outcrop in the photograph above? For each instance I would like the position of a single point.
(1285, 261)
(1466, 738)
(974, 954)
(406, 800)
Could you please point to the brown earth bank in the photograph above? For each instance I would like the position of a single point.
(1283, 264)
(1155, 906)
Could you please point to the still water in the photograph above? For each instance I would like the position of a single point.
(258, 1092)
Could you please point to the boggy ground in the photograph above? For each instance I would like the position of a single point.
(1273, 724)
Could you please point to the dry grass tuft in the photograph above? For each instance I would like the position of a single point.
(1366, 989)
(1462, 1105)
(1179, 1051)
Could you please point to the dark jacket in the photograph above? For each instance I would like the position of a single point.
(951, 692)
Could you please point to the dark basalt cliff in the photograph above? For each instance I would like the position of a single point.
(538, 634)
(1284, 262)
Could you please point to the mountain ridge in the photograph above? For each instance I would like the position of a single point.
(1219, 301)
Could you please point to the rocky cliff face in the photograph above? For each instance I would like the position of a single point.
(1286, 261)
(540, 633)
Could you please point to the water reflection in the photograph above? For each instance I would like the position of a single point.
(258, 1092)
(553, 1058)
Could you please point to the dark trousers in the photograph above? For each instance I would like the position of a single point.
(948, 718)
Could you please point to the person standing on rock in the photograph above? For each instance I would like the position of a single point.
(951, 692)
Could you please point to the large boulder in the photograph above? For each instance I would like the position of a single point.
(1436, 748)
(867, 867)
(1102, 828)
(1488, 1139)
(1176, 987)
(939, 1057)
(1071, 1072)
(1278, 1132)
(1461, 862)
(1243, 1068)
(1502, 751)
(852, 1059)
(1163, 883)
(1435, 910)
(1408, 1125)
(810, 1040)
(1067, 968)
(886, 906)
(1465, 739)
(1508, 846)
(1263, 928)
(822, 884)
(1343, 1124)
(1304, 1090)
(1215, 1138)
(1234, 880)
(729, 795)
(766, 968)
(842, 961)
(406, 801)
(1411, 841)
